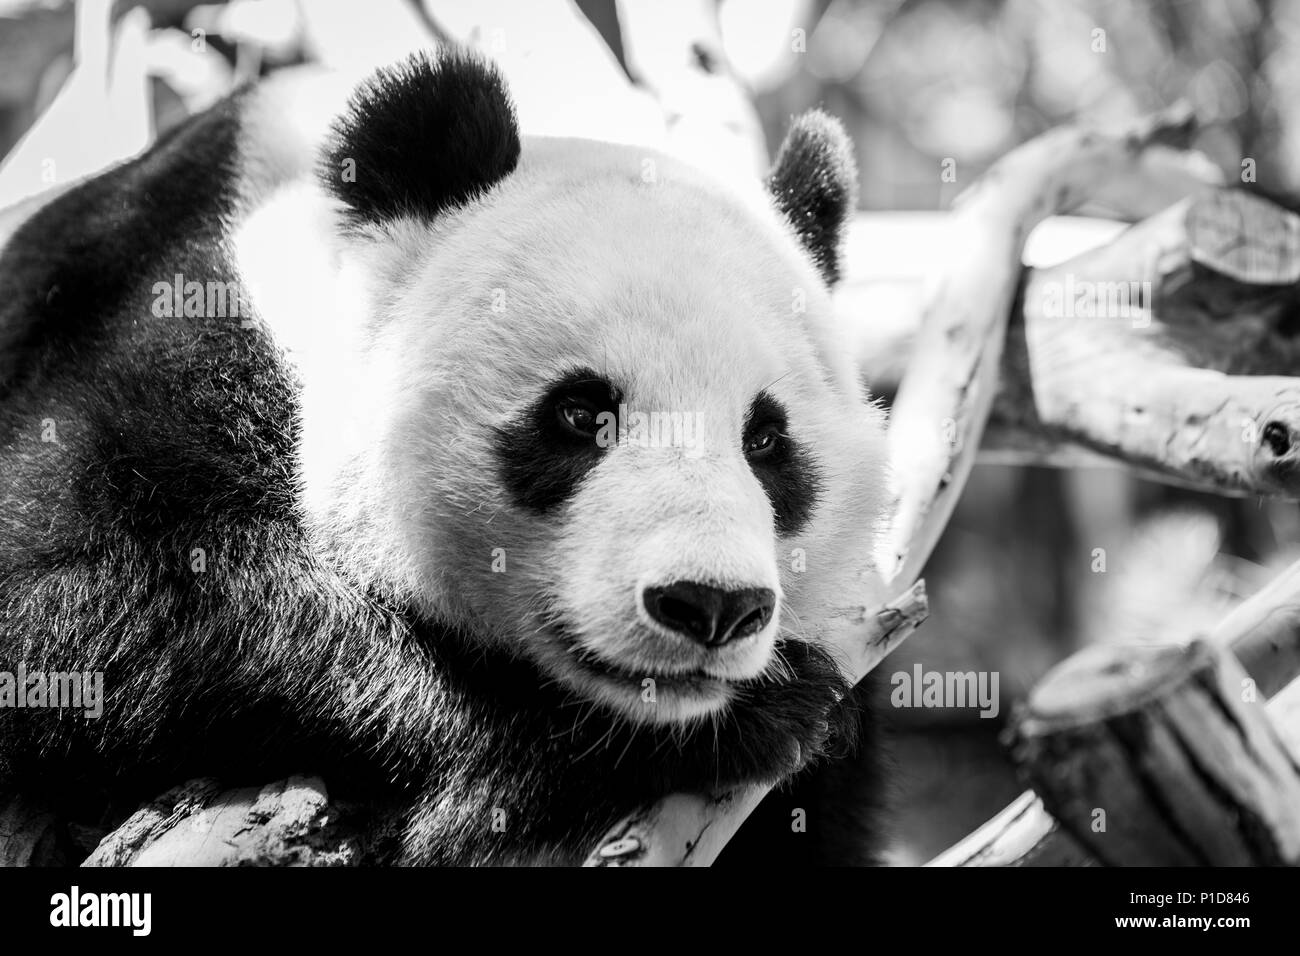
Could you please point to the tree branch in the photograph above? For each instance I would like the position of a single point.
(1164, 349)
(288, 823)
(1160, 755)
(1263, 633)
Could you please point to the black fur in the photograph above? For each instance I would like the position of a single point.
(563, 775)
(95, 253)
(815, 184)
(426, 136)
(788, 474)
(839, 802)
(178, 434)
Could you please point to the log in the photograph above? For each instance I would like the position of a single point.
(945, 398)
(1284, 708)
(1168, 349)
(1181, 304)
(1149, 755)
(1024, 834)
(288, 823)
(1263, 633)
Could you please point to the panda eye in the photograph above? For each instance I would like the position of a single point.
(578, 404)
(762, 441)
(577, 417)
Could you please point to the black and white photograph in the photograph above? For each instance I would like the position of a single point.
(757, 434)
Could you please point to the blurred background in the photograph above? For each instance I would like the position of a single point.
(1015, 584)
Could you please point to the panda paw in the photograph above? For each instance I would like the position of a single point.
(780, 723)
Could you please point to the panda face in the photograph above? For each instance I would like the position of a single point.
(598, 418)
(660, 502)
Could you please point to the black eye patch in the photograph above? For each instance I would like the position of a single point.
(550, 447)
(787, 472)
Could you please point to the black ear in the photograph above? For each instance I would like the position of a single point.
(421, 137)
(815, 184)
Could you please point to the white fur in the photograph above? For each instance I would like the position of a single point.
(681, 291)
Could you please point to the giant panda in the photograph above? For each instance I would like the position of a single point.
(393, 522)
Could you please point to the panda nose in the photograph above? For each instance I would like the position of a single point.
(708, 615)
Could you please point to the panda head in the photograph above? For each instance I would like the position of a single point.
(583, 403)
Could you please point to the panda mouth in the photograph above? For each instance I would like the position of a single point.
(695, 681)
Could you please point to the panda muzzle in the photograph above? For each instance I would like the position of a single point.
(709, 615)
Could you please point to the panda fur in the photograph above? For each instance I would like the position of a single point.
(414, 580)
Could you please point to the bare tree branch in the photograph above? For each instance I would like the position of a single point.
(1165, 350)
(1263, 632)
